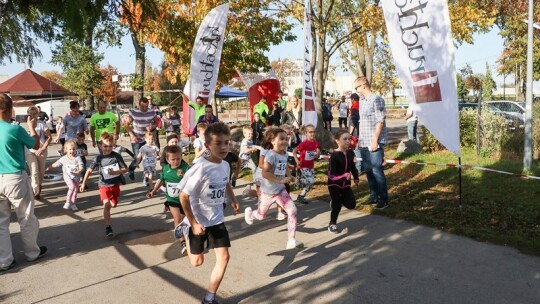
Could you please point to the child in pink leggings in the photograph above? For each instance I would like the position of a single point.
(275, 175)
(72, 166)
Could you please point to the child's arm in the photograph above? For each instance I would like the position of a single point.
(138, 160)
(53, 165)
(157, 185)
(295, 155)
(197, 228)
(237, 168)
(199, 151)
(85, 178)
(354, 171)
(234, 203)
(318, 153)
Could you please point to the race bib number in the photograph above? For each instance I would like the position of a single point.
(172, 190)
(216, 193)
(105, 171)
(281, 169)
(310, 155)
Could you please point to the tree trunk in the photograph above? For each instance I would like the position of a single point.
(88, 41)
(140, 58)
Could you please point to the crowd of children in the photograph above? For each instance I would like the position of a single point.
(197, 207)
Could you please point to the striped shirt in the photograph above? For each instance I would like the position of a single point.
(142, 120)
(372, 111)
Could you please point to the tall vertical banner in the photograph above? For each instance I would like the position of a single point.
(309, 111)
(205, 60)
(423, 51)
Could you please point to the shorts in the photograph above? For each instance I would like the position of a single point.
(217, 237)
(174, 205)
(110, 193)
(150, 171)
(343, 120)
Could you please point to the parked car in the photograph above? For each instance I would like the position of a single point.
(513, 112)
(466, 105)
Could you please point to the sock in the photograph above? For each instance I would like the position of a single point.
(304, 192)
(209, 297)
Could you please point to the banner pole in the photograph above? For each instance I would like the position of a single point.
(460, 188)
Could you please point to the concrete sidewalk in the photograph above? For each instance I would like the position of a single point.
(377, 260)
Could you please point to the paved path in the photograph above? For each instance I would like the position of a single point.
(377, 260)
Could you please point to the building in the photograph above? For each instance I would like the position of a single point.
(124, 84)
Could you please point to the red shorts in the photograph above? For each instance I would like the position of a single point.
(109, 193)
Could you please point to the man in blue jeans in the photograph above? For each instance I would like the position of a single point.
(371, 140)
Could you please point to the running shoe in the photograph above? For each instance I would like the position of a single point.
(66, 206)
(109, 232)
(131, 174)
(281, 216)
(42, 251)
(381, 205)
(333, 229)
(294, 243)
(73, 207)
(214, 301)
(247, 215)
(10, 266)
(183, 251)
(145, 183)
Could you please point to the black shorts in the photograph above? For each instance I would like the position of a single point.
(343, 120)
(174, 205)
(217, 237)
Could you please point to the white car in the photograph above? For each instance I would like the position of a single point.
(513, 112)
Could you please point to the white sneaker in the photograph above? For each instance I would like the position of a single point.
(294, 243)
(73, 207)
(145, 183)
(247, 215)
(280, 216)
(66, 206)
(246, 190)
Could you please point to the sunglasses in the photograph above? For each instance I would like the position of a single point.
(360, 85)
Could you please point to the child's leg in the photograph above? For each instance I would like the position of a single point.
(178, 217)
(71, 188)
(197, 243)
(337, 201)
(222, 259)
(107, 211)
(74, 193)
(308, 179)
(264, 204)
(285, 201)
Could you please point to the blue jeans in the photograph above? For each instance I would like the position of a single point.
(135, 147)
(372, 165)
(412, 130)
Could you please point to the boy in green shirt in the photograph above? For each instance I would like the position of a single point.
(171, 176)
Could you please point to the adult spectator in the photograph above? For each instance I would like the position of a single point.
(355, 114)
(199, 106)
(262, 109)
(282, 101)
(258, 129)
(343, 108)
(274, 117)
(412, 125)
(103, 121)
(35, 158)
(159, 121)
(140, 121)
(327, 114)
(372, 139)
(74, 123)
(208, 118)
(293, 115)
(15, 187)
(42, 115)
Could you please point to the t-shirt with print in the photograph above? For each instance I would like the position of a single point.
(105, 162)
(81, 149)
(171, 177)
(278, 164)
(73, 126)
(69, 165)
(308, 151)
(207, 194)
(13, 141)
(105, 122)
(245, 144)
(149, 155)
(343, 110)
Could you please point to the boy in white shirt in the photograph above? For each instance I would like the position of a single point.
(198, 143)
(202, 201)
(148, 154)
(246, 148)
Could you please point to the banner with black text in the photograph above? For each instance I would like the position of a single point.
(309, 110)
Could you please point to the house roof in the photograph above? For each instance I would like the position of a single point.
(32, 85)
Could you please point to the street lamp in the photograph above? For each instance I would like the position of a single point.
(527, 157)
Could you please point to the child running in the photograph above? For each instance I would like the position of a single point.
(275, 175)
(148, 154)
(309, 152)
(246, 148)
(198, 143)
(72, 167)
(171, 175)
(202, 201)
(111, 166)
(340, 167)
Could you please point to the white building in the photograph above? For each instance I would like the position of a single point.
(125, 83)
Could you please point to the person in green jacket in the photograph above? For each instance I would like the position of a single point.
(199, 107)
(262, 109)
(282, 101)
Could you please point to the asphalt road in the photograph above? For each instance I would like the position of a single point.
(376, 260)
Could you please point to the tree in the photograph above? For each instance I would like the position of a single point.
(385, 78)
(80, 65)
(108, 89)
(462, 90)
(488, 84)
(474, 83)
(283, 68)
(53, 76)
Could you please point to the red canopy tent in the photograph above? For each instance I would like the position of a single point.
(30, 85)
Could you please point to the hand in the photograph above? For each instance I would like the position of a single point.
(236, 206)
(286, 180)
(374, 146)
(198, 229)
(56, 141)
(299, 163)
(357, 182)
(111, 171)
(81, 188)
(150, 194)
(133, 138)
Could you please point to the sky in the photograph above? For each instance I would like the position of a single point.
(486, 48)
